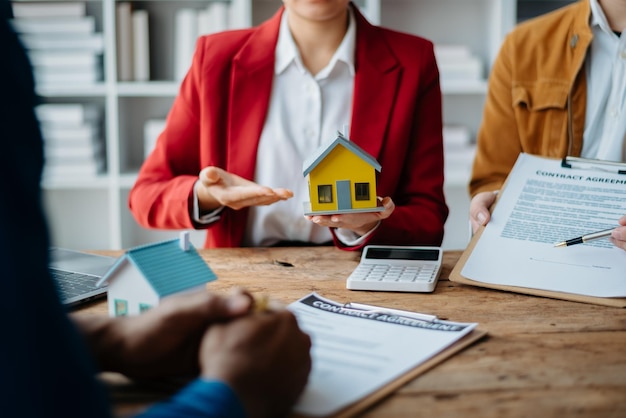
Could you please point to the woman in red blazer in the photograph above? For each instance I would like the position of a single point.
(208, 150)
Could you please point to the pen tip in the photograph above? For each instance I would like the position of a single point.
(560, 244)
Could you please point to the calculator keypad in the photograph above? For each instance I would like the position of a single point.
(398, 278)
(383, 272)
(390, 268)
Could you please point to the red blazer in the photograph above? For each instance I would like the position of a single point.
(219, 113)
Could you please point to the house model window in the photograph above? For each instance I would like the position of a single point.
(342, 178)
(325, 192)
(121, 307)
(362, 191)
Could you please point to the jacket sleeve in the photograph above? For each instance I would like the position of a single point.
(162, 194)
(200, 399)
(44, 362)
(498, 142)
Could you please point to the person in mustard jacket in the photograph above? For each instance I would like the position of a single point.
(257, 102)
(556, 89)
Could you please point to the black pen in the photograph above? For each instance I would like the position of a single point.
(589, 237)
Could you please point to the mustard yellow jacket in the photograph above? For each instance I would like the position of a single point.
(537, 95)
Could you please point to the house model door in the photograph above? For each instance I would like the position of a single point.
(344, 201)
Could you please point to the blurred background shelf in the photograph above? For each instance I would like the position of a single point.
(90, 212)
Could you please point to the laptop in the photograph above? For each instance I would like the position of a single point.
(76, 274)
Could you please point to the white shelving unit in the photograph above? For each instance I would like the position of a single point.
(93, 213)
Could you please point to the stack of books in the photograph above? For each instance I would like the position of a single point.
(132, 43)
(457, 64)
(459, 152)
(61, 41)
(192, 23)
(73, 140)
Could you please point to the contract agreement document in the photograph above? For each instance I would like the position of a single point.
(359, 349)
(544, 202)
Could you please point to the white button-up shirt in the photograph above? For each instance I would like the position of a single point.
(605, 121)
(305, 110)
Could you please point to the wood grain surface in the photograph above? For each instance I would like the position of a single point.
(541, 358)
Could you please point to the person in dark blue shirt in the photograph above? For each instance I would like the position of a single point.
(242, 363)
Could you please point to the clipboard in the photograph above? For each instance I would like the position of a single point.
(427, 341)
(390, 388)
(591, 164)
(567, 162)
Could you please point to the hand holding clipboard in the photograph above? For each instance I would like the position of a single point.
(541, 199)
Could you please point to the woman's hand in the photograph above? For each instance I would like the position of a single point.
(360, 223)
(218, 187)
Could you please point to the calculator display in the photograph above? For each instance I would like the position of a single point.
(401, 254)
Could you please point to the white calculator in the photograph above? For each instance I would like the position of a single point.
(397, 269)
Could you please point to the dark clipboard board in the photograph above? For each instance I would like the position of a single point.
(599, 165)
(385, 391)
(567, 162)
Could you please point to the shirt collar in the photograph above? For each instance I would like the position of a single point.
(287, 52)
(598, 18)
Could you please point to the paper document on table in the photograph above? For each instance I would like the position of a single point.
(358, 349)
(544, 203)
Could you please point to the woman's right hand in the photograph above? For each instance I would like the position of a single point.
(218, 188)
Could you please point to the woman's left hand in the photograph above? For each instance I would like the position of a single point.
(360, 223)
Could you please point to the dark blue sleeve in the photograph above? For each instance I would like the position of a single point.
(45, 368)
(201, 398)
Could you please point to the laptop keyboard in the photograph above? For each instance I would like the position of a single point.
(71, 284)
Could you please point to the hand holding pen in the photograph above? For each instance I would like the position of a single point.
(617, 235)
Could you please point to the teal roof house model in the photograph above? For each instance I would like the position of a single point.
(146, 274)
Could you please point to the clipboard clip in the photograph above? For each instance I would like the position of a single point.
(376, 309)
(592, 164)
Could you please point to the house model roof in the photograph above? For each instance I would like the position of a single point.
(167, 266)
(325, 149)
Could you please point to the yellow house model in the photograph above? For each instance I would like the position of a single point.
(342, 179)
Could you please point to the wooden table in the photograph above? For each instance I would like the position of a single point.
(541, 358)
